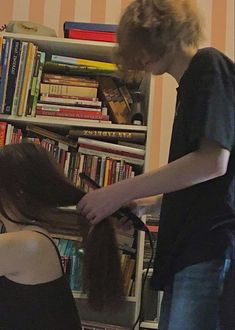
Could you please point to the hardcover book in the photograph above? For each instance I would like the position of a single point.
(89, 26)
(109, 135)
(91, 35)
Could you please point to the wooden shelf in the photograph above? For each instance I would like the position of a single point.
(102, 51)
(79, 295)
(149, 325)
(72, 122)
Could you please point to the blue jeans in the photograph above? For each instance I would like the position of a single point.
(192, 301)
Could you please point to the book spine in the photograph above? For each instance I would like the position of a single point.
(37, 88)
(70, 101)
(33, 84)
(1, 53)
(68, 90)
(70, 114)
(13, 70)
(27, 79)
(19, 79)
(75, 70)
(9, 134)
(5, 66)
(102, 170)
(69, 82)
(92, 35)
(112, 146)
(3, 131)
(58, 107)
(90, 26)
(130, 160)
(137, 137)
(80, 61)
(118, 108)
(69, 78)
(110, 150)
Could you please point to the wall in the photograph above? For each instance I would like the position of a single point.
(219, 31)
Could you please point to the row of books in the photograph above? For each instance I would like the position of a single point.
(128, 272)
(72, 258)
(26, 91)
(90, 31)
(72, 261)
(104, 162)
(128, 154)
(61, 87)
(69, 96)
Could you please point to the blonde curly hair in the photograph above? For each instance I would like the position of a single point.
(151, 28)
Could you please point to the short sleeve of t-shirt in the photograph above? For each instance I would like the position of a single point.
(212, 113)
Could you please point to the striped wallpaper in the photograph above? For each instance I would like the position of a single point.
(219, 31)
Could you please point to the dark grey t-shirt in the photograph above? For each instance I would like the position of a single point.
(190, 230)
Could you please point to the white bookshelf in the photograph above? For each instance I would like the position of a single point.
(72, 122)
(149, 325)
(79, 295)
(100, 51)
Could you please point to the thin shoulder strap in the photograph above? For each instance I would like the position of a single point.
(55, 246)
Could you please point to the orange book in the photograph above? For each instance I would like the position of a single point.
(3, 130)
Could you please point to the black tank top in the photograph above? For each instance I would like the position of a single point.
(46, 306)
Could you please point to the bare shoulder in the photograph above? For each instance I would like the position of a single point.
(30, 240)
(22, 257)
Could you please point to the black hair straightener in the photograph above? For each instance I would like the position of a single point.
(138, 224)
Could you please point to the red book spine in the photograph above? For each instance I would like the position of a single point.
(92, 35)
(3, 130)
(71, 114)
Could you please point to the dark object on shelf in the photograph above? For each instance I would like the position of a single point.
(137, 116)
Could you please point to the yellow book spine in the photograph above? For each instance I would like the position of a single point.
(97, 64)
(106, 172)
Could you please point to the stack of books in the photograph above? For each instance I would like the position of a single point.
(90, 31)
(64, 94)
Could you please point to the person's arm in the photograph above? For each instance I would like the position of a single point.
(208, 162)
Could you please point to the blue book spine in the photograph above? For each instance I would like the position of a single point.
(13, 70)
(89, 26)
(74, 273)
(3, 47)
(6, 50)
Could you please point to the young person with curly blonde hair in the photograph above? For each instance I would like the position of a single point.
(198, 207)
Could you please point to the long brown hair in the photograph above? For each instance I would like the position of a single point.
(32, 188)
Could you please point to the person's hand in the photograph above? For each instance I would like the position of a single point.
(99, 204)
(125, 223)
